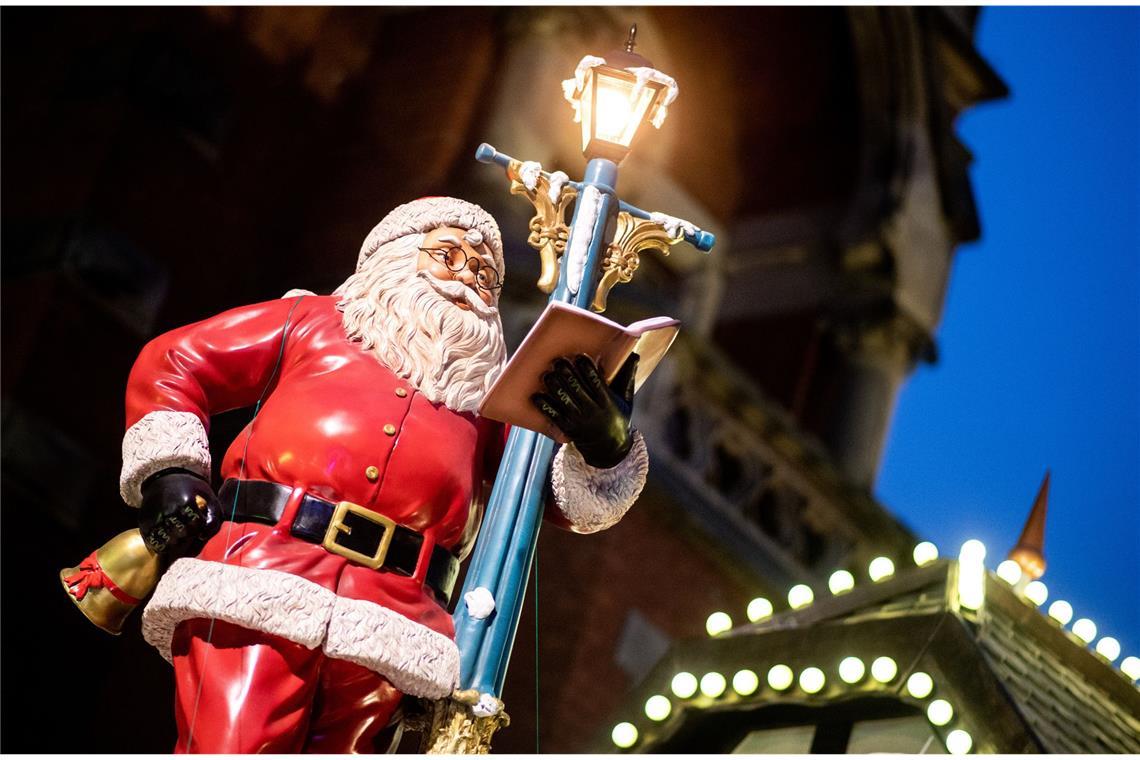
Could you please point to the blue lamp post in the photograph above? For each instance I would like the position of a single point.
(614, 98)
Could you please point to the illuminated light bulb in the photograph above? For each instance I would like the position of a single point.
(1085, 630)
(658, 707)
(880, 569)
(800, 596)
(684, 685)
(851, 670)
(780, 677)
(1108, 648)
(718, 623)
(713, 685)
(614, 112)
(884, 669)
(1061, 611)
(841, 582)
(759, 609)
(1036, 592)
(920, 685)
(745, 683)
(958, 742)
(1009, 571)
(812, 680)
(972, 551)
(925, 553)
(624, 735)
(972, 575)
(1130, 666)
(939, 712)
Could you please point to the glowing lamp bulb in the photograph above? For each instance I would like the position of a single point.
(745, 683)
(1036, 592)
(614, 111)
(780, 677)
(800, 595)
(851, 670)
(880, 569)
(1108, 648)
(958, 742)
(658, 707)
(1061, 611)
(884, 669)
(718, 623)
(1085, 630)
(812, 680)
(713, 685)
(920, 685)
(972, 551)
(1009, 571)
(759, 609)
(925, 553)
(1130, 666)
(841, 582)
(939, 712)
(684, 685)
(624, 735)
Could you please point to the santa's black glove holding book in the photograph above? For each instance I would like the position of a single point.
(593, 415)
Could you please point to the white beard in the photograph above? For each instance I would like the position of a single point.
(408, 321)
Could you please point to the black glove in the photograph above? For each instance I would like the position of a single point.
(179, 513)
(594, 416)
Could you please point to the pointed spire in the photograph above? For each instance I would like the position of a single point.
(1030, 550)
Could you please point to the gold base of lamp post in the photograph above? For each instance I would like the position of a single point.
(451, 726)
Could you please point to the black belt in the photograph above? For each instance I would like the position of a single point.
(345, 529)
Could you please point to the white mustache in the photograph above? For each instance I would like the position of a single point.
(456, 291)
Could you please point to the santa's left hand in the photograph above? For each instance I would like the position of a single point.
(593, 415)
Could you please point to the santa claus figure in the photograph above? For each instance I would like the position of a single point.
(311, 590)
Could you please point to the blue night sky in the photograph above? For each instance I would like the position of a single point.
(1040, 341)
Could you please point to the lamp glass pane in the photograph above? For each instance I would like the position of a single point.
(617, 109)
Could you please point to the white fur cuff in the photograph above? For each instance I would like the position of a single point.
(158, 441)
(269, 601)
(414, 658)
(594, 499)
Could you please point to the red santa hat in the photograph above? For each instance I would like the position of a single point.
(427, 214)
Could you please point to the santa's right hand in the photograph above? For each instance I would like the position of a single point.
(178, 514)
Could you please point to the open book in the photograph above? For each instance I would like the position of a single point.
(566, 330)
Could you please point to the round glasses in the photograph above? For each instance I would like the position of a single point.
(456, 259)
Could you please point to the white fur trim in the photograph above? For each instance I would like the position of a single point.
(594, 499)
(427, 214)
(269, 601)
(416, 659)
(158, 441)
(480, 603)
(294, 292)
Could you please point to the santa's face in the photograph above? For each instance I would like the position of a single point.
(435, 326)
(456, 254)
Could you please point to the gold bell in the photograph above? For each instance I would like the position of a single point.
(113, 580)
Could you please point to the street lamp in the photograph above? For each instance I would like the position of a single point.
(581, 262)
(614, 96)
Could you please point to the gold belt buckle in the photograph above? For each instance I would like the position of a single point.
(337, 526)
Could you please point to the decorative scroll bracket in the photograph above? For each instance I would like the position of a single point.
(623, 256)
(548, 229)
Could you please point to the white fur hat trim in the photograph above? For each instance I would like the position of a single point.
(427, 214)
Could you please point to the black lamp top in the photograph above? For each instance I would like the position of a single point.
(627, 59)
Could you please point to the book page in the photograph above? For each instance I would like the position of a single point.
(565, 330)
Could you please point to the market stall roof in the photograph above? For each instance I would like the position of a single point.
(1002, 678)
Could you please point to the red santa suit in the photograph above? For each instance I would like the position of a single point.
(262, 610)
